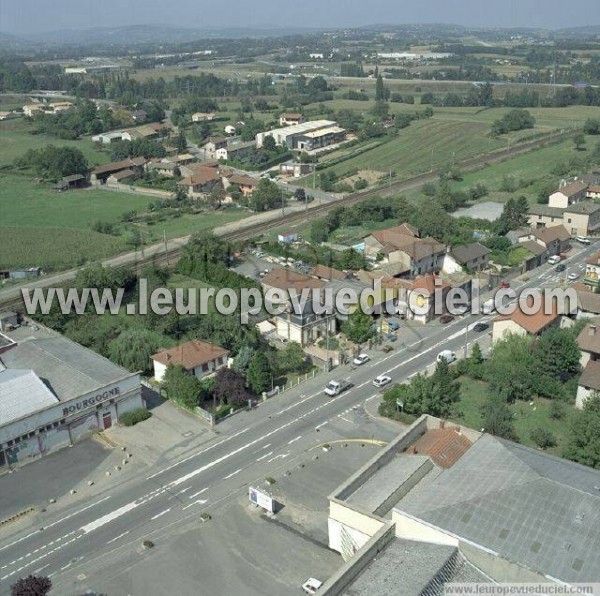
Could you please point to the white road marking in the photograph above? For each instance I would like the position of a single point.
(199, 493)
(41, 569)
(280, 456)
(264, 456)
(62, 519)
(185, 490)
(105, 519)
(160, 514)
(117, 537)
(322, 424)
(232, 474)
(294, 440)
(198, 502)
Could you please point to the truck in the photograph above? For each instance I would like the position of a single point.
(334, 388)
(488, 307)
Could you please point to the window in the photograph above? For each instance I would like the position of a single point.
(205, 367)
(569, 220)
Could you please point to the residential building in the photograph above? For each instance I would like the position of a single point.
(288, 280)
(588, 301)
(592, 271)
(295, 169)
(555, 239)
(593, 192)
(60, 106)
(246, 184)
(304, 328)
(199, 358)
(54, 392)
(212, 145)
(472, 257)
(32, 109)
(120, 177)
(582, 219)
(291, 119)
(203, 116)
(100, 174)
(444, 503)
(235, 151)
(589, 344)
(163, 168)
(108, 137)
(328, 273)
(544, 216)
(423, 295)
(317, 139)
(204, 180)
(589, 383)
(567, 195)
(524, 324)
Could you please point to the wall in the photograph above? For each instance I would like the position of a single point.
(583, 393)
(547, 221)
(159, 370)
(558, 199)
(410, 528)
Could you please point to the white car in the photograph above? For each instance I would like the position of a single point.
(573, 276)
(382, 380)
(361, 359)
(446, 355)
(311, 585)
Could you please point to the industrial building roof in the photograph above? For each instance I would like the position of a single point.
(302, 128)
(22, 392)
(529, 507)
(321, 132)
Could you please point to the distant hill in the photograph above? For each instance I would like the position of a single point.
(587, 30)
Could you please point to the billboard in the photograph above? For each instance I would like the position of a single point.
(261, 499)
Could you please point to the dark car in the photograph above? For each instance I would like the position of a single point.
(560, 267)
(444, 319)
(479, 327)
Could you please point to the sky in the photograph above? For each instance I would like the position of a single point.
(19, 17)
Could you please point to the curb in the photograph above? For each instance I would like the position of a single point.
(16, 516)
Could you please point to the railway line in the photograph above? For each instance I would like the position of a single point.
(11, 298)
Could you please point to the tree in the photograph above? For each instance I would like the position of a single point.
(379, 89)
(319, 231)
(514, 215)
(243, 359)
(266, 196)
(584, 435)
(202, 250)
(543, 438)
(292, 358)
(269, 144)
(579, 141)
(557, 354)
(181, 143)
(260, 376)
(443, 392)
(592, 126)
(359, 327)
(182, 387)
(230, 387)
(32, 585)
(300, 194)
(497, 418)
(517, 119)
(54, 162)
(133, 349)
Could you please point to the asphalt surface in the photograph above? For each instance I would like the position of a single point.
(65, 542)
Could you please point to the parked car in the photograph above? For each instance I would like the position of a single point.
(446, 355)
(480, 327)
(382, 380)
(583, 239)
(361, 359)
(554, 260)
(312, 585)
(560, 267)
(573, 276)
(445, 319)
(504, 285)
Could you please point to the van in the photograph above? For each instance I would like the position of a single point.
(446, 355)
(583, 239)
(554, 260)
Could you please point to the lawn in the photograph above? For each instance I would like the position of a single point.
(527, 415)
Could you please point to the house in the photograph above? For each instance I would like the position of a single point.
(211, 146)
(145, 132)
(593, 192)
(589, 382)
(199, 358)
(100, 174)
(32, 109)
(555, 239)
(294, 169)
(237, 151)
(582, 219)
(288, 280)
(544, 216)
(568, 195)
(60, 106)
(184, 159)
(8, 320)
(537, 254)
(328, 273)
(108, 137)
(167, 169)
(423, 294)
(589, 344)
(119, 177)
(473, 257)
(246, 184)
(203, 116)
(317, 139)
(521, 323)
(73, 181)
(203, 180)
(304, 328)
(291, 119)
(588, 301)
(592, 271)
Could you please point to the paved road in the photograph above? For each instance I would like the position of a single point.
(65, 542)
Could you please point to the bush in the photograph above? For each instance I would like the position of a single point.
(557, 410)
(360, 184)
(135, 416)
(543, 438)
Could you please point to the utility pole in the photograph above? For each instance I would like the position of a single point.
(166, 249)
(282, 203)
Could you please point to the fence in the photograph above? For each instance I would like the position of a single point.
(299, 380)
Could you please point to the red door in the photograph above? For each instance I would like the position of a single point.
(107, 420)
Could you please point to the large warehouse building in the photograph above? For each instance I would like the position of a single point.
(54, 392)
(305, 136)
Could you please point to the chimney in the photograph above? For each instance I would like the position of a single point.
(592, 330)
(442, 423)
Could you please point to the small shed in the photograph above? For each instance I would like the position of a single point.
(287, 237)
(69, 182)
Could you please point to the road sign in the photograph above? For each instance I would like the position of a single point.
(261, 499)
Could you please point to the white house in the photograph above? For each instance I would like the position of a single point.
(199, 358)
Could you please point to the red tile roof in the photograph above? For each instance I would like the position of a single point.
(191, 354)
(534, 323)
(324, 272)
(445, 446)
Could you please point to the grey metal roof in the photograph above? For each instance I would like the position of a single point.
(529, 507)
(21, 393)
(585, 208)
(66, 367)
(468, 252)
(545, 210)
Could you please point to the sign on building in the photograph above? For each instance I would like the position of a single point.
(261, 499)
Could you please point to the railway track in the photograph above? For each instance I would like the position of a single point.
(11, 298)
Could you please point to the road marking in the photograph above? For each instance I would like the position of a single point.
(105, 519)
(185, 490)
(232, 474)
(264, 456)
(160, 514)
(294, 440)
(346, 419)
(117, 537)
(65, 567)
(41, 569)
(321, 425)
(62, 519)
(198, 502)
(199, 493)
(19, 540)
(280, 456)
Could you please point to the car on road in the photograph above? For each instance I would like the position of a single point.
(445, 319)
(583, 240)
(312, 585)
(361, 359)
(382, 380)
(480, 327)
(560, 268)
(334, 388)
(573, 276)
(446, 355)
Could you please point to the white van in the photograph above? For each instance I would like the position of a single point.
(446, 355)
(583, 239)
(554, 260)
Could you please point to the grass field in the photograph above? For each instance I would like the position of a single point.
(526, 417)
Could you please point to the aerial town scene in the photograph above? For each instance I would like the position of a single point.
(299, 298)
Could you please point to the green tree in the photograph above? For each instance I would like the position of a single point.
(584, 435)
(514, 215)
(202, 250)
(444, 392)
(32, 585)
(497, 418)
(269, 144)
(133, 349)
(592, 126)
(266, 196)
(243, 359)
(359, 327)
(579, 141)
(292, 359)
(260, 376)
(54, 162)
(543, 438)
(181, 143)
(182, 387)
(230, 387)
(557, 354)
(319, 231)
